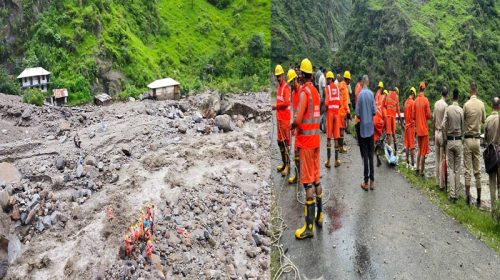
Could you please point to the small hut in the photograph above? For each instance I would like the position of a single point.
(60, 96)
(165, 89)
(35, 78)
(102, 99)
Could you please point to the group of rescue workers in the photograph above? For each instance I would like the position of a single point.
(320, 96)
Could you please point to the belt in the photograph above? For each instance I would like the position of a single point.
(472, 137)
(453, 138)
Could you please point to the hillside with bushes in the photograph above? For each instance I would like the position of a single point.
(94, 46)
(400, 41)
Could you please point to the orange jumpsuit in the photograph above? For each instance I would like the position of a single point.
(391, 103)
(379, 95)
(409, 110)
(344, 97)
(308, 134)
(295, 107)
(422, 115)
(283, 112)
(357, 90)
(378, 122)
(333, 104)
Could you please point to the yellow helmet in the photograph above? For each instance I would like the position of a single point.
(397, 89)
(306, 66)
(347, 75)
(380, 84)
(413, 90)
(278, 70)
(329, 75)
(385, 91)
(291, 75)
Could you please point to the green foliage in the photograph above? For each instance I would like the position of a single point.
(221, 4)
(142, 39)
(7, 85)
(130, 91)
(34, 96)
(256, 45)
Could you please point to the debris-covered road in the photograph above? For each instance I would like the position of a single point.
(209, 188)
(393, 232)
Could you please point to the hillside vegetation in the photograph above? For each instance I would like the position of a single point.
(119, 47)
(401, 42)
(307, 28)
(448, 43)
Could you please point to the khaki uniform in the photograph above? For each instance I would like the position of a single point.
(474, 116)
(453, 124)
(437, 116)
(491, 131)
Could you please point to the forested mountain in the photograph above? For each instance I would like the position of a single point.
(94, 46)
(401, 42)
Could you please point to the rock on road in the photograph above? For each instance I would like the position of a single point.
(393, 232)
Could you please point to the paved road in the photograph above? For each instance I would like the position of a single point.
(393, 232)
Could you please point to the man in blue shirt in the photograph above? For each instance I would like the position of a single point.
(365, 110)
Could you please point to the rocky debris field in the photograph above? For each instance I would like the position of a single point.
(202, 162)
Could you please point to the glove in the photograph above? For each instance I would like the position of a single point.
(349, 116)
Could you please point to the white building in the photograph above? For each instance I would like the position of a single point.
(165, 89)
(35, 78)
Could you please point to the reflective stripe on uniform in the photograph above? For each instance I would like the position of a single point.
(311, 121)
(310, 132)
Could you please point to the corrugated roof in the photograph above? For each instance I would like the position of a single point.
(32, 72)
(167, 82)
(60, 92)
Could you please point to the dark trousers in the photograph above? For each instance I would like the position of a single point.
(366, 147)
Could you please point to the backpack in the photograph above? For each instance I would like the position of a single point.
(491, 154)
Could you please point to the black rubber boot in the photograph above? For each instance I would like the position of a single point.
(319, 211)
(307, 230)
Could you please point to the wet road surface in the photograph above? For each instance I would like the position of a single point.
(393, 232)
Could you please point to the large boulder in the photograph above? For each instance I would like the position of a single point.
(224, 123)
(9, 173)
(209, 104)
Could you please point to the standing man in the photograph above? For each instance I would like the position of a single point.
(453, 128)
(492, 135)
(421, 115)
(308, 122)
(474, 116)
(391, 104)
(333, 104)
(365, 110)
(409, 111)
(321, 90)
(293, 81)
(282, 108)
(437, 119)
(344, 109)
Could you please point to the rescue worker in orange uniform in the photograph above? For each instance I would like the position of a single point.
(409, 109)
(333, 118)
(308, 123)
(391, 104)
(379, 126)
(344, 109)
(282, 108)
(422, 115)
(380, 92)
(293, 81)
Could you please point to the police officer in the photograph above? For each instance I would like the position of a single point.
(474, 116)
(453, 127)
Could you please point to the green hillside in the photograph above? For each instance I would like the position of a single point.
(307, 28)
(114, 46)
(401, 42)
